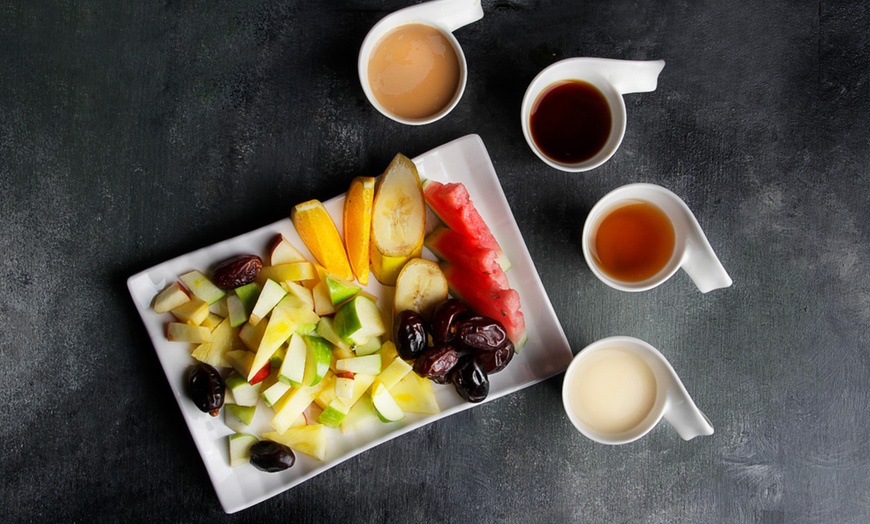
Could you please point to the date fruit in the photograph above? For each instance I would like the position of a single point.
(436, 362)
(271, 456)
(495, 360)
(481, 333)
(207, 388)
(470, 380)
(237, 271)
(444, 319)
(411, 339)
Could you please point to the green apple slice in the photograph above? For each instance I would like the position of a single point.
(318, 357)
(326, 329)
(236, 310)
(369, 364)
(274, 393)
(339, 289)
(359, 319)
(244, 393)
(173, 296)
(334, 414)
(269, 298)
(202, 287)
(372, 345)
(249, 294)
(240, 448)
(385, 404)
(293, 369)
(238, 418)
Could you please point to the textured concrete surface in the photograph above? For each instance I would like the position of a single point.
(132, 132)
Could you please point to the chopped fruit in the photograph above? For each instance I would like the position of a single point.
(369, 364)
(320, 235)
(241, 361)
(310, 439)
(460, 250)
(274, 393)
(385, 404)
(318, 357)
(398, 220)
(244, 393)
(358, 225)
(289, 272)
(372, 345)
(283, 252)
(414, 394)
(339, 289)
(173, 296)
(326, 329)
(261, 375)
(251, 335)
(453, 205)
(358, 320)
(420, 287)
(393, 373)
(178, 332)
(249, 293)
(202, 287)
(193, 311)
(293, 368)
(361, 414)
(223, 339)
(270, 296)
(240, 448)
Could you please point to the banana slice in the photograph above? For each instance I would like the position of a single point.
(398, 219)
(420, 287)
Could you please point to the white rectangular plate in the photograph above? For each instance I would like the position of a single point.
(546, 353)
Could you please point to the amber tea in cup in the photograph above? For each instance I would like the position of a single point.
(633, 241)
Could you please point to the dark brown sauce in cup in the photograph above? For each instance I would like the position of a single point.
(570, 121)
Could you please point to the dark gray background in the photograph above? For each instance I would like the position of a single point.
(135, 131)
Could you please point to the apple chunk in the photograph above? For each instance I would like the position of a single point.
(173, 296)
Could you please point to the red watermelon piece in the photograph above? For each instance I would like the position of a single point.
(462, 251)
(452, 203)
(485, 296)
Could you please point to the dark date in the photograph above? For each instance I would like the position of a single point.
(495, 360)
(411, 338)
(206, 388)
(237, 271)
(444, 320)
(271, 456)
(436, 363)
(470, 380)
(481, 333)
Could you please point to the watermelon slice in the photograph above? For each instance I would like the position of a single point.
(460, 250)
(452, 203)
(486, 298)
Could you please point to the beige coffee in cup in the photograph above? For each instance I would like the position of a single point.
(414, 71)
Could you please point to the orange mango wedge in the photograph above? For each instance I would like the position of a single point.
(358, 225)
(318, 231)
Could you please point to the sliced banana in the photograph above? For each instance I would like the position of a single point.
(398, 219)
(420, 287)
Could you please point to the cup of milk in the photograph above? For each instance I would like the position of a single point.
(617, 389)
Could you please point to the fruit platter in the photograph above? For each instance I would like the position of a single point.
(288, 355)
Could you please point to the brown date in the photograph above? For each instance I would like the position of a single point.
(444, 319)
(495, 360)
(206, 388)
(470, 380)
(481, 333)
(411, 338)
(436, 362)
(271, 456)
(237, 271)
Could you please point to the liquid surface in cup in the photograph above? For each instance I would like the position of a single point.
(612, 391)
(570, 121)
(633, 242)
(414, 71)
